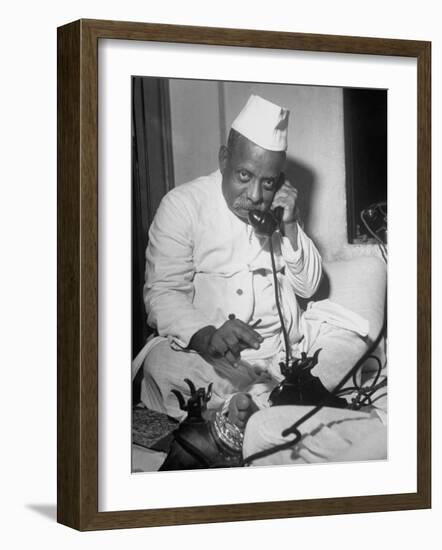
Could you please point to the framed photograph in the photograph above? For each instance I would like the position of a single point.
(238, 211)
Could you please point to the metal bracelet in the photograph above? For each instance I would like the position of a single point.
(228, 434)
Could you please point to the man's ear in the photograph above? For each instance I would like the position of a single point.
(223, 158)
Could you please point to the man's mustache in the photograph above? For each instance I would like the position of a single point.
(246, 205)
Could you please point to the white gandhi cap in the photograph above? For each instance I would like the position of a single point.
(264, 123)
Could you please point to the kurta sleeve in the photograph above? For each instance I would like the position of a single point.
(169, 290)
(304, 266)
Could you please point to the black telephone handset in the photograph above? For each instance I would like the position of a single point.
(266, 223)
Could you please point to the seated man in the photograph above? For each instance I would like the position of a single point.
(209, 290)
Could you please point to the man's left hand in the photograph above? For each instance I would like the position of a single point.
(286, 196)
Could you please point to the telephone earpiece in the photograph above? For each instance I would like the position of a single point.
(266, 223)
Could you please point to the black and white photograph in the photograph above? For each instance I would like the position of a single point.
(259, 274)
(220, 239)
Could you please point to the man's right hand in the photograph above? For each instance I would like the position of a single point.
(227, 341)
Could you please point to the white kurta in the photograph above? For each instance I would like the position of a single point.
(204, 263)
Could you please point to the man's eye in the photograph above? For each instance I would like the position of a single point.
(269, 184)
(244, 175)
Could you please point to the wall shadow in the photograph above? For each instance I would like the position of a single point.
(47, 510)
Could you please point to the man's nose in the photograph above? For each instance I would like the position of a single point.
(254, 192)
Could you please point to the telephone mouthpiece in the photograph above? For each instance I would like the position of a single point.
(266, 223)
(255, 218)
(260, 222)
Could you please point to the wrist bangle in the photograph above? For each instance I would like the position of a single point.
(228, 434)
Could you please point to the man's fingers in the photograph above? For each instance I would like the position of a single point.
(232, 359)
(243, 346)
(248, 335)
(217, 346)
(232, 338)
(233, 344)
(222, 343)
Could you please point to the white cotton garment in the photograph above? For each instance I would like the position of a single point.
(203, 264)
